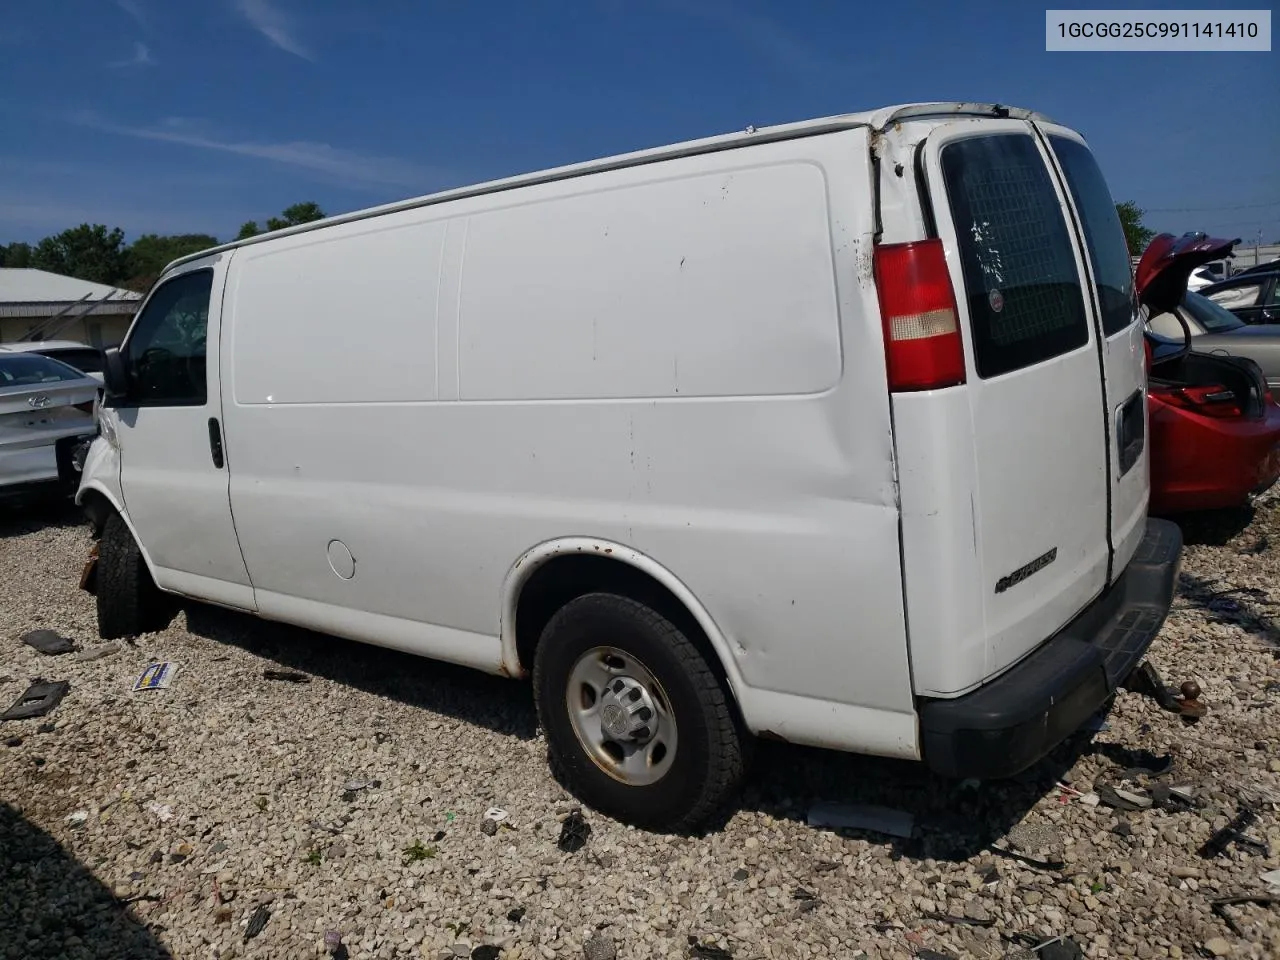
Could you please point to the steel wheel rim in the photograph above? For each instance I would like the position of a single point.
(639, 759)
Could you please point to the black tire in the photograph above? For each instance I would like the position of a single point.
(710, 758)
(129, 602)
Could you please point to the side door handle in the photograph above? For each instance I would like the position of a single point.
(215, 442)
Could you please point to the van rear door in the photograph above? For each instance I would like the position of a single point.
(1040, 503)
(1115, 303)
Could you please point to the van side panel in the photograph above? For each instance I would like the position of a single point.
(681, 357)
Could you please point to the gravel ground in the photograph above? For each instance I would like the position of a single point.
(157, 824)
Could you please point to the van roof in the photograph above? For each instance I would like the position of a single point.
(877, 120)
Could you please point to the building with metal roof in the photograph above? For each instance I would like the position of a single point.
(39, 305)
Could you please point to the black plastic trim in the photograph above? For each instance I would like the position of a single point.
(1005, 726)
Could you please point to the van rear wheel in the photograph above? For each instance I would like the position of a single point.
(129, 602)
(638, 726)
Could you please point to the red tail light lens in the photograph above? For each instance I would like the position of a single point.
(921, 324)
(86, 407)
(1210, 401)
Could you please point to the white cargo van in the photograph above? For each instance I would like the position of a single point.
(831, 432)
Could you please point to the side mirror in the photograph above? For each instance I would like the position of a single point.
(115, 378)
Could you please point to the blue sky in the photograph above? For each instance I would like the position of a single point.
(177, 116)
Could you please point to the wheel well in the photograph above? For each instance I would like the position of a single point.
(97, 508)
(564, 578)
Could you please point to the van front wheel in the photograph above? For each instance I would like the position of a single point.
(638, 725)
(129, 602)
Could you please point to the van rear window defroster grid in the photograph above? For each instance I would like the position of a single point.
(1023, 292)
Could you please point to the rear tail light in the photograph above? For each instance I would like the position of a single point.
(86, 407)
(922, 341)
(1210, 401)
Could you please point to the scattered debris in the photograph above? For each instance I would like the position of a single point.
(1121, 799)
(1174, 799)
(740, 875)
(1233, 832)
(1146, 681)
(516, 914)
(351, 786)
(600, 946)
(288, 676)
(1059, 948)
(707, 951)
(1217, 947)
(487, 951)
(488, 827)
(851, 816)
(257, 922)
(1272, 880)
(78, 818)
(37, 700)
(574, 832)
(1219, 906)
(89, 654)
(1052, 865)
(975, 916)
(927, 954)
(48, 642)
(158, 676)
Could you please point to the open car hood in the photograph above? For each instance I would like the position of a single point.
(1166, 265)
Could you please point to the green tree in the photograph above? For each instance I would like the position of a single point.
(15, 255)
(305, 212)
(1135, 234)
(146, 257)
(87, 252)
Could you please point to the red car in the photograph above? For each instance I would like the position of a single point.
(1214, 427)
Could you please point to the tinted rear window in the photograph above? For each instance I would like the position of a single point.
(26, 370)
(1020, 279)
(1104, 236)
(90, 361)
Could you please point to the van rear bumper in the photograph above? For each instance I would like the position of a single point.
(1006, 725)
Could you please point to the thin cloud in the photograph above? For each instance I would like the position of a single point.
(347, 166)
(768, 38)
(269, 21)
(134, 10)
(141, 58)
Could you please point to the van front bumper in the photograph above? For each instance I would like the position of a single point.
(1006, 725)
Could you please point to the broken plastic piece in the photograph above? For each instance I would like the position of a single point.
(1272, 880)
(1029, 861)
(574, 832)
(1121, 799)
(38, 699)
(496, 814)
(256, 923)
(1233, 832)
(48, 642)
(158, 676)
(1220, 905)
(851, 816)
(707, 951)
(289, 676)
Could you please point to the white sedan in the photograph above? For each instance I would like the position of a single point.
(48, 418)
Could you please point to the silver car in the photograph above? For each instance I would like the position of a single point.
(48, 418)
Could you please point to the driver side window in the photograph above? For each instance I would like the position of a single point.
(165, 352)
